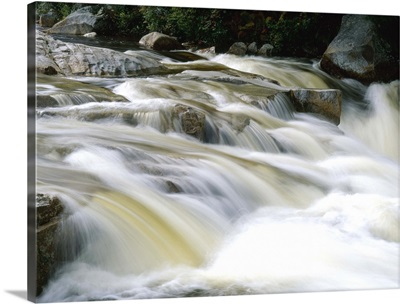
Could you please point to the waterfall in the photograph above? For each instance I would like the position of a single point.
(204, 184)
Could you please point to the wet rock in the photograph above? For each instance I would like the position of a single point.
(358, 52)
(238, 48)
(48, 208)
(239, 122)
(172, 187)
(325, 103)
(160, 42)
(69, 59)
(80, 22)
(48, 213)
(192, 121)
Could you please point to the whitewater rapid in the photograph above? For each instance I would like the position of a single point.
(271, 201)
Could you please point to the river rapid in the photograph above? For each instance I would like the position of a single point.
(268, 200)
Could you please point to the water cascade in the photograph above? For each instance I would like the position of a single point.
(201, 183)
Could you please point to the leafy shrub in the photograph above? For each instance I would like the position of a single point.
(196, 25)
(61, 9)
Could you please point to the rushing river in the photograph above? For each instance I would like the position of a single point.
(267, 200)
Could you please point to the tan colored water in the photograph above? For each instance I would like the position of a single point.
(271, 201)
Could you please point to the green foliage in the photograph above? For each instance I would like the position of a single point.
(61, 9)
(291, 34)
(121, 20)
(200, 26)
(302, 34)
(155, 18)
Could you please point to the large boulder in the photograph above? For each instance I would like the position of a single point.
(238, 48)
(72, 59)
(80, 22)
(49, 19)
(358, 52)
(160, 42)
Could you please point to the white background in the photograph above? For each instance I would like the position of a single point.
(13, 149)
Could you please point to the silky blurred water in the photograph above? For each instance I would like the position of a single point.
(269, 201)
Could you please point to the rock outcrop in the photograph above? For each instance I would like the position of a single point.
(48, 216)
(72, 59)
(358, 52)
(160, 42)
(80, 22)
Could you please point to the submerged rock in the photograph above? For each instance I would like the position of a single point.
(358, 52)
(191, 120)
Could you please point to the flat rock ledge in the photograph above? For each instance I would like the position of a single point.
(55, 57)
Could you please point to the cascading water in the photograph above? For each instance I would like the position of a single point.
(265, 200)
